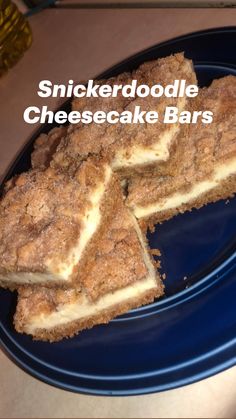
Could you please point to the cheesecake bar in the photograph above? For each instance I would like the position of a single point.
(203, 161)
(131, 147)
(119, 276)
(47, 221)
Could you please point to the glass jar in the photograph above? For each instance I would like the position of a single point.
(15, 35)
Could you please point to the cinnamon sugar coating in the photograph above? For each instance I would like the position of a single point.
(45, 146)
(117, 259)
(41, 216)
(113, 259)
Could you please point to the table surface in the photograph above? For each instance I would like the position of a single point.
(78, 44)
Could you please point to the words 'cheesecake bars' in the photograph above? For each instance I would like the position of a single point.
(121, 276)
(205, 156)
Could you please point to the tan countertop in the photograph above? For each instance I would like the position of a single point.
(78, 44)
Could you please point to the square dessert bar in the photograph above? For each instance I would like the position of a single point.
(47, 220)
(203, 162)
(131, 147)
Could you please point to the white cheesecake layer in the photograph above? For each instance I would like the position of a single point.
(221, 172)
(28, 277)
(158, 151)
(83, 308)
(90, 222)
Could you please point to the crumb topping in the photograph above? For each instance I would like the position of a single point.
(41, 213)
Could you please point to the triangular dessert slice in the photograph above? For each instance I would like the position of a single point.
(119, 277)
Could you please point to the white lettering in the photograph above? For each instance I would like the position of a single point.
(45, 88)
(27, 113)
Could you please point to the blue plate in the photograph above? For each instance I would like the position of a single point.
(188, 335)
